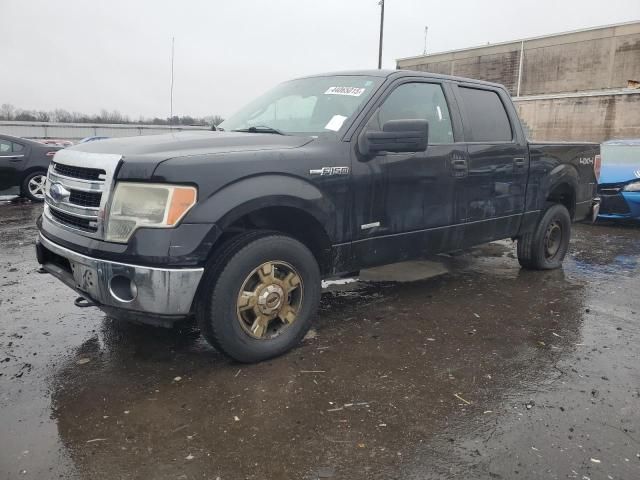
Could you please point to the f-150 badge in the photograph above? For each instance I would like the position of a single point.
(325, 171)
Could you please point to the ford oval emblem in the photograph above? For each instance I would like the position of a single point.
(58, 193)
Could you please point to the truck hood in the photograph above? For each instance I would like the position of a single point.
(142, 155)
(169, 145)
(613, 173)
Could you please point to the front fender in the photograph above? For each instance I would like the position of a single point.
(235, 200)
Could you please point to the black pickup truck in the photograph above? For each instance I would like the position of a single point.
(320, 177)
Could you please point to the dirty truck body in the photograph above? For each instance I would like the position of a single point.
(318, 178)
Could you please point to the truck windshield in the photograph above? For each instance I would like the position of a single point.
(313, 105)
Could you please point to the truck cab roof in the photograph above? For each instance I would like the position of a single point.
(388, 73)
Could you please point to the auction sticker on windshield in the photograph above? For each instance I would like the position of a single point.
(351, 91)
(335, 123)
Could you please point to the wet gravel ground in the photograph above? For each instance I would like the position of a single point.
(487, 371)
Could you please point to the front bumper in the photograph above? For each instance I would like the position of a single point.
(120, 289)
(620, 206)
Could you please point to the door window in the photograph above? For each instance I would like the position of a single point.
(487, 118)
(5, 146)
(17, 147)
(412, 101)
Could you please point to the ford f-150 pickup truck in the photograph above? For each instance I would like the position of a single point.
(320, 177)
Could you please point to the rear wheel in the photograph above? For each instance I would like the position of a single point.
(259, 296)
(33, 186)
(546, 247)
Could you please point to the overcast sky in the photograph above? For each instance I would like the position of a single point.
(85, 55)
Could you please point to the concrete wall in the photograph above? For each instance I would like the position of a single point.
(77, 131)
(569, 86)
(594, 59)
(593, 118)
(498, 63)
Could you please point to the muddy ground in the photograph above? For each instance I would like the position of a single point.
(486, 371)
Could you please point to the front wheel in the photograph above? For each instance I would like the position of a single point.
(33, 186)
(258, 296)
(546, 247)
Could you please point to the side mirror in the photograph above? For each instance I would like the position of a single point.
(396, 136)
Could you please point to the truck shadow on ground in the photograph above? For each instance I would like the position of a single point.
(391, 367)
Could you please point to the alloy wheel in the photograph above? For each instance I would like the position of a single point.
(37, 185)
(269, 300)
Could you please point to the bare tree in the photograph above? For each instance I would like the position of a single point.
(61, 115)
(25, 116)
(9, 112)
(43, 116)
(6, 111)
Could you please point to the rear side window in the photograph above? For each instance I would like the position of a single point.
(486, 116)
(5, 147)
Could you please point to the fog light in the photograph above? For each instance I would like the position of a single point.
(122, 288)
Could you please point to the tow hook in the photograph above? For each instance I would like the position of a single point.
(82, 302)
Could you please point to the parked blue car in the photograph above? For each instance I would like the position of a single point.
(619, 185)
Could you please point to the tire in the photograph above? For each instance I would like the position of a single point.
(546, 247)
(33, 186)
(238, 277)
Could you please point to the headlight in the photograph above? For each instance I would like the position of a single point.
(146, 205)
(632, 187)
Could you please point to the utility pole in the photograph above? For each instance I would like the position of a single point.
(381, 32)
(426, 29)
(171, 90)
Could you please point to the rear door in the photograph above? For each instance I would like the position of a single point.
(498, 161)
(12, 159)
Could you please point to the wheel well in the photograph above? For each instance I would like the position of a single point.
(292, 221)
(28, 172)
(565, 195)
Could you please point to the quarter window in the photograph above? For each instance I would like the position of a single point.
(412, 101)
(487, 118)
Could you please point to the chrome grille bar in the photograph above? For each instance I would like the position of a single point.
(59, 206)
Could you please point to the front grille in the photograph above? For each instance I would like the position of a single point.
(88, 177)
(610, 188)
(85, 199)
(82, 173)
(75, 222)
(613, 204)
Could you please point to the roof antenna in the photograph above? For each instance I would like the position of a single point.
(426, 29)
(381, 3)
(171, 91)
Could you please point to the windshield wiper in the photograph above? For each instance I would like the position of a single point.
(260, 129)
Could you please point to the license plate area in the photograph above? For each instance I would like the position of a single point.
(86, 278)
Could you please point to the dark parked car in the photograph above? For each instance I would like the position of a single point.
(24, 164)
(318, 178)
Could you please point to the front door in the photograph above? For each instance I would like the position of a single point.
(405, 204)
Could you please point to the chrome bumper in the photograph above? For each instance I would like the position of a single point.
(156, 291)
(595, 209)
